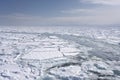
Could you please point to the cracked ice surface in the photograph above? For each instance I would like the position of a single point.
(62, 54)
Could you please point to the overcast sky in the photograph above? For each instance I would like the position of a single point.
(59, 12)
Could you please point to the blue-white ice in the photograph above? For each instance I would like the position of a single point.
(59, 53)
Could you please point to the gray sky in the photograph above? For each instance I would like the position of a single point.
(59, 12)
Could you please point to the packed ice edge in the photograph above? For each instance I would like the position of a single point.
(60, 54)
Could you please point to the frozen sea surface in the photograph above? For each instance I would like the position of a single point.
(59, 53)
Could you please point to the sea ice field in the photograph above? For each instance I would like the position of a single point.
(59, 53)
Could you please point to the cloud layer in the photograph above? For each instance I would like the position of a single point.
(108, 2)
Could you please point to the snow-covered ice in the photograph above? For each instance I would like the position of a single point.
(59, 53)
